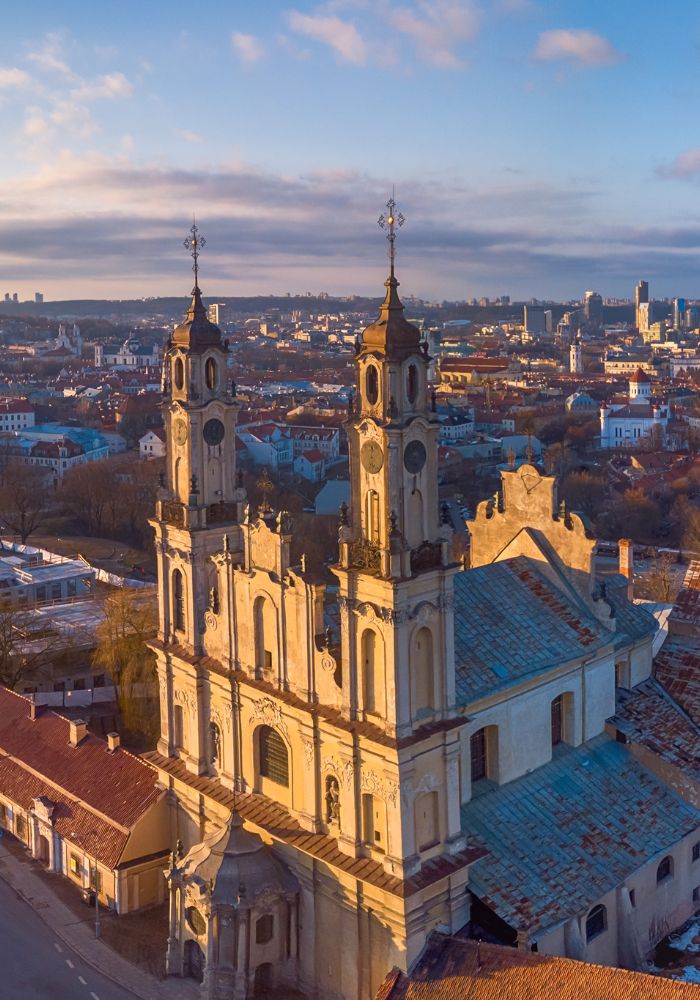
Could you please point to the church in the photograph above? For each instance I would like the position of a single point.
(423, 749)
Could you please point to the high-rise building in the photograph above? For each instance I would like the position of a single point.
(645, 316)
(38, 298)
(576, 357)
(678, 314)
(641, 295)
(15, 297)
(593, 308)
(533, 319)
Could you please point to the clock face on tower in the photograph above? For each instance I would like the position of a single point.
(372, 456)
(414, 457)
(180, 432)
(213, 432)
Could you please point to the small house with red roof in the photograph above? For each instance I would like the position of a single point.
(85, 807)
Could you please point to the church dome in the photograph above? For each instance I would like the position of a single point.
(239, 864)
(196, 331)
(640, 377)
(391, 333)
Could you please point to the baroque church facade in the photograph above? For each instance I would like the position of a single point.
(338, 766)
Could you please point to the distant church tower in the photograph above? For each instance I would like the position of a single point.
(576, 357)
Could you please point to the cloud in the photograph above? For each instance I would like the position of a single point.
(341, 36)
(438, 27)
(686, 166)
(576, 45)
(13, 77)
(187, 135)
(107, 87)
(49, 56)
(35, 125)
(249, 49)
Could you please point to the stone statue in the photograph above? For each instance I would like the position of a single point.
(332, 800)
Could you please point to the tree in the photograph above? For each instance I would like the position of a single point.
(19, 648)
(559, 459)
(661, 584)
(23, 499)
(130, 621)
(636, 516)
(88, 493)
(584, 491)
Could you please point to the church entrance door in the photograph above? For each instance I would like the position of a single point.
(194, 961)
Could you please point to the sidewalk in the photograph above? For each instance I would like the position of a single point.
(80, 937)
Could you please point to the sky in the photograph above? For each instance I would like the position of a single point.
(536, 148)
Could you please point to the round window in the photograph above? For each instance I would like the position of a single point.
(179, 373)
(372, 385)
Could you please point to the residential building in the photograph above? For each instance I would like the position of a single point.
(85, 807)
(626, 425)
(152, 444)
(15, 414)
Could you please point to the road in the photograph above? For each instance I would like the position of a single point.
(36, 965)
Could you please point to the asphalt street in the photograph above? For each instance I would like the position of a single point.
(34, 962)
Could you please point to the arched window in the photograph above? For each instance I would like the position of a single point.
(370, 678)
(373, 821)
(179, 373)
(210, 374)
(263, 652)
(557, 711)
(596, 922)
(427, 820)
(264, 928)
(483, 747)
(423, 673)
(274, 760)
(665, 869)
(412, 383)
(372, 385)
(178, 727)
(178, 601)
(372, 516)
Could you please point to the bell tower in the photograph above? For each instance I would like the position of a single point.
(199, 501)
(395, 554)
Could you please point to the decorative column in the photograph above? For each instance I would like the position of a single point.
(173, 958)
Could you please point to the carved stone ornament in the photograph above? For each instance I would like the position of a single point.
(328, 664)
(308, 746)
(424, 612)
(187, 699)
(222, 717)
(369, 612)
(345, 770)
(268, 711)
(211, 622)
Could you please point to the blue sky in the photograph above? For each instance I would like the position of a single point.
(536, 148)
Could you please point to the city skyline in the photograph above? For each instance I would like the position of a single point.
(536, 149)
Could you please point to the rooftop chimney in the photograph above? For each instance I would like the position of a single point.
(78, 731)
(113, 742)
(626, 549)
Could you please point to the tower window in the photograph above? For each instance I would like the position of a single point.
(477, 746)
(665, 869)
(274, 760)
(372, 385)
(179, 373)
(596, 922)
(412, 383)
(178, 601)
(264, 928)
(210, 374)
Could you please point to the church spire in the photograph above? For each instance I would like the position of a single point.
(196, 330)
(391, 334)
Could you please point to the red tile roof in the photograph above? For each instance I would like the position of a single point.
(452, 968)
(117, 784)
(15, 406)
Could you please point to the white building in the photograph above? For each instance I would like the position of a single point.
(152, 444)
(131, 354)
(16, 414)
(576, 357)
(625, 425)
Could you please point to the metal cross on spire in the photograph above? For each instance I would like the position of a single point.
(194, 244)
(390, 222)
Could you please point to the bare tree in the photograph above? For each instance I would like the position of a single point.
(130, 620)
(19, 652)
(23, 499)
